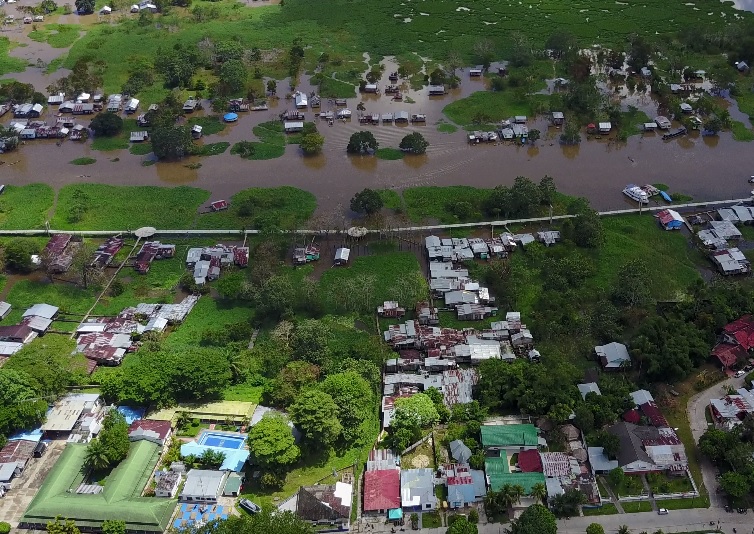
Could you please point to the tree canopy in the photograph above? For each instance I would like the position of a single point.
(272, 444)
(367, 201)
(414, 143)
(316, 415)
(362, 143)
(534, 520)
(267, 522)
(171, 142)
(106, 124)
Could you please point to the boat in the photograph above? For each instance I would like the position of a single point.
(665, 196)
(634, 192)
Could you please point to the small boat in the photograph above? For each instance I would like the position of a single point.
(665, 196)
(634, 192)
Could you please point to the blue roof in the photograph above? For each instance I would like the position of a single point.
(29, 435)
(132, 414)
(234, 458)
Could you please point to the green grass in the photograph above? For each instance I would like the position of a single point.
(431, 202)
(683, 504)
(372, 280)
(56, 35)
(117, 142)
(212, 149)
(140, 149)
(7, 63)
(447, 128)
(83, 161)
(741, 132)
(661, 483)
(605, 509)
(636, 506)
(334, 88)
(283, 207)
(68, 297)
(389, 153)
(633, 122)
(271, 142)
(431, 520)
(120, 208)
(392, 200)
(244, 393)
(208, 313)
(492, 106)
(211, 124)
(25, 207)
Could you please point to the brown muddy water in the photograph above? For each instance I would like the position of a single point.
(705, 168)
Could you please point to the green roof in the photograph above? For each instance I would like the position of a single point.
(497, 466)
(119, 500)
(527, 480)
(509, 435)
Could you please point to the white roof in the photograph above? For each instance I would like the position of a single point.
(134, 102)
(641, 396)
(8, 348)
(7, 470)
(41, 310)
(342, 254)
(4, 308)
(293, 124)
(203, 483)
(605, 126)
(65, 413)
(590, 387)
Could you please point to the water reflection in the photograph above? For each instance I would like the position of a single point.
(415, 160)
(315, 162)
(178, 172)
(532, 151)
(685, 143)
(364, 163)
(570, 151)
(711, 141)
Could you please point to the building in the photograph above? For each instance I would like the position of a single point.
(305, 254)
(158, 432)
(17, 334)
(203, 485)
(600, 463)
(436, 90)
(67, 411)
(190, 105)
(418, 490)
(557, 118)
(474, 312)
(167, 483)
(663, 123)
(465, 486)
(604, 127)
(586, 389)
(736, 339)
(382, 490)
(460, 452)
(670, 219)
(150, 251)
(648, 449)
(342, 255)
(725, 229)
(511, 438)
(391, 309)
(325, 504)
(613, 356)
(293, 126)
(730, 261)
(729, 411)
(219, 205)
(105, 253)
(59, 252)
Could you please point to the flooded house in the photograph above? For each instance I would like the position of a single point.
(475, 72)
(604, 127)
(557, 118)
(85, 108)
(686, 108)
(371, 88)
(436, 90)
(196, 131)
(418, 117)
(139, 137)
(387, 118)
(190, 105)
(56, 100)
(402, 117)
(28, 111)
(301, 100)
(293, 126)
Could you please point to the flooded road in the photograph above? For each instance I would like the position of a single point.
(706, 168)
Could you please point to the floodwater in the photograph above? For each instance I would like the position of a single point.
(705, 168)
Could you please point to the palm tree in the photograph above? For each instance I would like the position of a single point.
(623, 529)
(507, 496)
(96, 456)
(539, 492)
(518, 492)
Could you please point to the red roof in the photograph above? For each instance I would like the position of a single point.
(161, 428)
(219, 205)
(742, 330)
(729, 354)
(632, 416)
(382, 490)
(653, 413)
(530, 461)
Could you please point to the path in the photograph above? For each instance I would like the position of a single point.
(253, 338)
(480, 224)
(696, 414)
(648, 489)
(614, 498)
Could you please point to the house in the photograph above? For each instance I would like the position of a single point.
(18, 333)
(648, 449)
(293, 126)
(474, 312)
(731, 261)
(114, 102)
(4, 309)
(613, 356)
(401, 117)
(641, 396)
(600, 463)
(301, 100)
(132, 106)
(382, 490)
(436, 90)
(459, 451)
(150, 251)
(167, 483)
(604, 127)
(475, 71)
(670, 219)
(686, 107)
(741, 66)
(233, 485)
(370, 88)
(69, 410)
(196, 131)
(390, 308)
(190, 105)
(426, 315)
(456, 298)
(203, 485)
(519, 119)
(465, 486)
(325, 504)
(342, 255)
(418, 490)
(730, 410)
(548, 237)
(138, 137)
(83, 109)
(56, 100)
(725, 230)
(586, 389)
(157, 432)
(557, 118)
(511, 438)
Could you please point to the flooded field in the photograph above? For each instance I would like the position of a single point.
(707, 168)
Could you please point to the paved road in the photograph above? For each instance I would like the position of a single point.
(675, 521)
(695, 411)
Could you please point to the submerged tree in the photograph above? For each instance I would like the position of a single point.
(367, 201)
(362, 143)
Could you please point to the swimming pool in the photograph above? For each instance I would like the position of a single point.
(222, 440)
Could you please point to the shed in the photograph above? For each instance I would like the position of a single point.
(401, 116)
(301, 101)
(670, 219)
(132, 106)
(686, 107)
(605, 127)
(342, 255)
(370, 88)
(558, 118)
(203, 485)
(196, 131)
(293, 126)
(520, 119)
(138, 137)
(4, 309)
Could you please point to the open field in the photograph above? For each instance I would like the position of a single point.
(605, 509)
(25, 206)
(56, 35)
(637, 506)
(282, 207)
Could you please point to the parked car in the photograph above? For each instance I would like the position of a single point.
(740, 373)
(662, 511)
(249, 506)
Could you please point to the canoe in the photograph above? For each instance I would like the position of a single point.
(665, 196)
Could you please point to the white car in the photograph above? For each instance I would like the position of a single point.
(739, 374)
(662, 511)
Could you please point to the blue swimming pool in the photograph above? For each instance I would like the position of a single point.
(221, 439)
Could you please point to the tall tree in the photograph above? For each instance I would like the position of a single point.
(414, 143)
(595, 528)
(84, 7)
(534, 520)
(272, 444)
(171, 142)
(316, 415)
(418, 408)
(354, 397)
(367, 201)
(114, 437)
(362, 143)
(461, 525)
(267, 522)
(97, 457)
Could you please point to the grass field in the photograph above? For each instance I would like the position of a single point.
(683, 504)
(637, 506)
(389, 153)
(391, 200)
(7, 63)
(211, 149)
(83, 161)
(491, 106)
(741, 132)
(56, 35)
(431, 202)
(68, 297)
(605, 509)
(283, 207)
(211, 124)
(111, 207)
(209, 313)
(25, 207)
(117, 142)
(140, 149)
